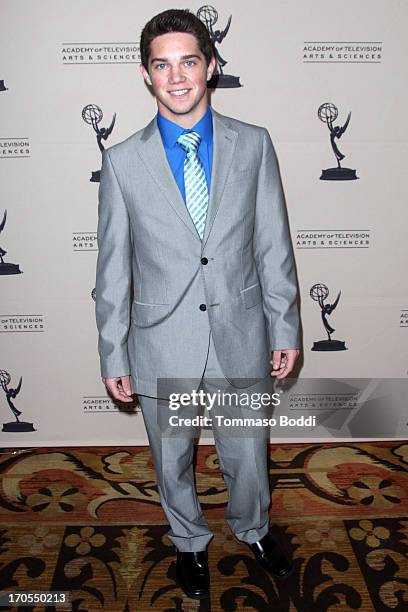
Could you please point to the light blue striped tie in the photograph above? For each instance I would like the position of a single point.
(195, 182)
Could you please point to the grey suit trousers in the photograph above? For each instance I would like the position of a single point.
(243, 463)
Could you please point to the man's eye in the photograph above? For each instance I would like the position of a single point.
(160, 66)
(190, 63)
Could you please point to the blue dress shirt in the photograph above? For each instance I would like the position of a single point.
(176, 155)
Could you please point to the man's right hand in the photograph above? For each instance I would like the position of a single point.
(119, 388)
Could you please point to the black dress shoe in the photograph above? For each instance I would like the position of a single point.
(192, 573)
(271, 557)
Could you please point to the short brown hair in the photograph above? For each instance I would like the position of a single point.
(175, 20)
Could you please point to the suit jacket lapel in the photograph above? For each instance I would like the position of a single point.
(154, 156)
(224, 143)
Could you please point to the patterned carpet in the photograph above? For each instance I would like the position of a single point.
(88, 520)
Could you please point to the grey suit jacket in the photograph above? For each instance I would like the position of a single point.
(145, 231)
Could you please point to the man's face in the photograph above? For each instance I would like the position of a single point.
(178, 74)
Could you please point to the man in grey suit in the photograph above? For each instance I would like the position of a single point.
(191, 209)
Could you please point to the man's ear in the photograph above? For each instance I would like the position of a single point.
(145, 74)
(211, 68)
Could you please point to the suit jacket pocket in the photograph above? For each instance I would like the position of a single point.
(147, 315)
(252, 295)
(238, 174)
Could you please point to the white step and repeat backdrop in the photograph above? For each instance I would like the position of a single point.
(328, 80)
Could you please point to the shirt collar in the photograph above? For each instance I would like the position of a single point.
(170, 131)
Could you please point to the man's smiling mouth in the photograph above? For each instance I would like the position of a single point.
(179, 92)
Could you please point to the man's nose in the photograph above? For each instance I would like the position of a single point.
(176, 74)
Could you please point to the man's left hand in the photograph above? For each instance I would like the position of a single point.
(283, 361)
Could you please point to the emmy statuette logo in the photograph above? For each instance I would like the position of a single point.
(93, 115)
(11, 394)
(6, 268)
(209, 16)
(328, 113)
(319, 293)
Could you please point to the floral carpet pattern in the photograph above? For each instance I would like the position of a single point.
(89, 521)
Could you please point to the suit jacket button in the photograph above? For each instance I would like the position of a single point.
(203, 307)
(204, 261)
